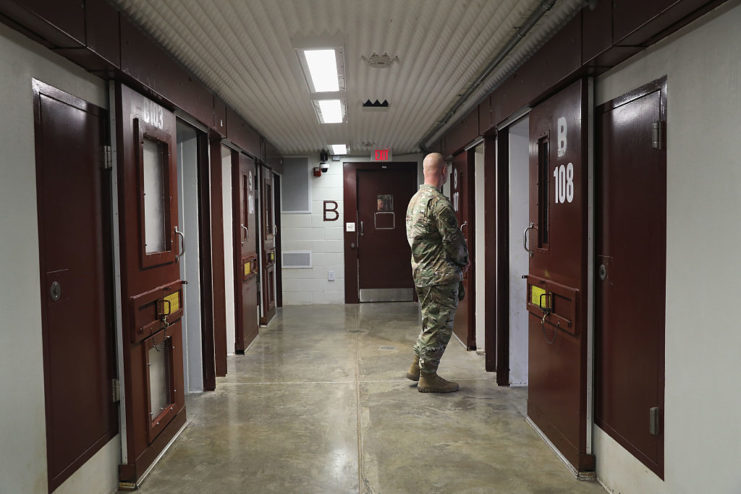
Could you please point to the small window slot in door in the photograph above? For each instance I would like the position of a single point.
(543, 192)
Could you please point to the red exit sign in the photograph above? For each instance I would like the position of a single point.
(381, 155)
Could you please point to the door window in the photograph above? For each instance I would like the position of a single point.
(155, 195)
(159, 379)
(154, 177)
(543, 199)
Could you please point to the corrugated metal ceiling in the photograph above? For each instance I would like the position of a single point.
(246, 51)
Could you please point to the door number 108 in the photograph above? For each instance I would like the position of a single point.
(563, 177)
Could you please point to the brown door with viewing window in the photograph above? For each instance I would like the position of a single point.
(461, 191)
(152, 300)
(268, 251)
(76, 286)
(384, 268)
(557, 238)
(631, 272)
(245, 250)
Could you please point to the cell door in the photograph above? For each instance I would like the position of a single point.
(461, 189)
(151, 244)
(384, 267)
(268, 246)
(245, 250)
(631, 272)
(557, 239)
(76, 288)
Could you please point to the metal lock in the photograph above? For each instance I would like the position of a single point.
(55, 291)
(602, 272)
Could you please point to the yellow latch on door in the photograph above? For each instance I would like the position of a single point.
(173, 303)
(539, 297)
(247, 268)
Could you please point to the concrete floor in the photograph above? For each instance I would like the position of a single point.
(319, 404)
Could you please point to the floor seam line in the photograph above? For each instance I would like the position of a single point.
(358, 414)
(363, 381)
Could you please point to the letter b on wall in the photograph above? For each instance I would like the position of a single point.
(561, 137)
(330, 211)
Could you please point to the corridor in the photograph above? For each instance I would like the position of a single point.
(319, 404)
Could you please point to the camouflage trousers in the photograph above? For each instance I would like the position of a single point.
(438, 304)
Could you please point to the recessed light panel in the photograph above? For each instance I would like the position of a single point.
(330, 111)
(322, 70)
(338, 148)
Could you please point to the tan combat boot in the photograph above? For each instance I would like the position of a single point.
(432, 383)
(413, 373)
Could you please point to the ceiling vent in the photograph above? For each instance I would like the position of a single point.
(376, 104)
(380, 61)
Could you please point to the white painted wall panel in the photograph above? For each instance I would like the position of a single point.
(311, 232)
(226, 196)
(702, 400)
(518, 258)
(190, 263)
(480, 247)
(23, 424)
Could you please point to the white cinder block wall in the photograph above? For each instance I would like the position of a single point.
(309, 232)
(519, 203)
(22, 408)
(702, 430)
(480, 252)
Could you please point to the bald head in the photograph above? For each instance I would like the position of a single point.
(434, 169)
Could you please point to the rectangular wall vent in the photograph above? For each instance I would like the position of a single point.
(297, 259)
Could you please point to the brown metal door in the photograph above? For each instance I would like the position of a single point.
(557, 279)
(76, 288)
(151, 287)
(631, 273)
(384, 270)
(268, 246)
(461, 188)
(245, 250)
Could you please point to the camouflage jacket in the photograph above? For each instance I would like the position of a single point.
(438, 248)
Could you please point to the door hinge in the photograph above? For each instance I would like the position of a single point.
(115, 390)
(107, 158)
(657, 134)
(654, 424)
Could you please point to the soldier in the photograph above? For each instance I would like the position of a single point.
(439, 255)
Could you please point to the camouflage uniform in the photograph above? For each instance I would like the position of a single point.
(438, 255)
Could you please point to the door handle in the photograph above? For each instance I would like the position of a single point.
(182, 244)
(531, 226)
(362, 230)
(246, 233)
(464, 225)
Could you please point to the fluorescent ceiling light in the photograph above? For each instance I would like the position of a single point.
(323, 70)
(330, 110)
(338, 148)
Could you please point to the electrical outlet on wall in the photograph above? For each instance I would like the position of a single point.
(330, 275)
